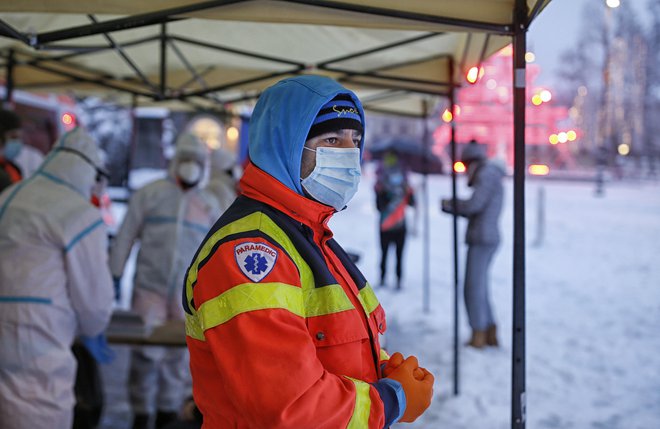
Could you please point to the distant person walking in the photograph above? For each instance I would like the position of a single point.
(393, 195)
(482, 210)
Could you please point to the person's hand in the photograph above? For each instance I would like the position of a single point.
(417, 384)
(447, 205)
(397, 359)
(98, 347)
(116, 281)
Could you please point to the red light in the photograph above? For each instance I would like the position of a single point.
(472, 74)
(459, 167)
(68, 119)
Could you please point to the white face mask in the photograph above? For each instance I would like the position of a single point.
(189, 172)
(336, 176)
(12, 148)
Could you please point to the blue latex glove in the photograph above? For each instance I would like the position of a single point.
(117, 284)
(99, 348)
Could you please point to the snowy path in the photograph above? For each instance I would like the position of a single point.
(593, 310)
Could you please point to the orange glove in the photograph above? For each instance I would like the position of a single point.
(397, 359)
(419, 392)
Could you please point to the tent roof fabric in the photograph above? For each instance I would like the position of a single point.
(224, 53)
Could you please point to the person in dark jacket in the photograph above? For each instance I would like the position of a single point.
(393, 195)
(482, 210)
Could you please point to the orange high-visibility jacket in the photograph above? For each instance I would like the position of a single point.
(282, 328)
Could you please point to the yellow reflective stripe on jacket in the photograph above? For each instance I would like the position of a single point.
(326, 300)
(193, 329)
(260, 296)
(250, 297)
(251, 222)
(368, 299)
(384, 355)
(312, 301)
(360, 417)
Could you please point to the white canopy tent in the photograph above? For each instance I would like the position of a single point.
(397, 55)
(224, 52)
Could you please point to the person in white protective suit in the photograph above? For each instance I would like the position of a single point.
(170, 217)
(55, 283)
(221, 182)
(25, 156)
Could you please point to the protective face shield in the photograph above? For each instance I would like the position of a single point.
(189, 172)
(336, 176)
(12, 148)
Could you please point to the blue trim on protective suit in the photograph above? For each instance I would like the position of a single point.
(39, 172)
(32, 299)
(59, 181)
(83, 233)
(171, 219)
(394, 399)
(13, 194)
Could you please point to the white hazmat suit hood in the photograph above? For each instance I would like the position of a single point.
(189, 150)
(64, 161)
(54, 284)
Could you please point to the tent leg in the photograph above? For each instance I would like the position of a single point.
(455, 233)
(130, 161)
(163, 61)
(518, 401)
(427, 239)
(9, 84)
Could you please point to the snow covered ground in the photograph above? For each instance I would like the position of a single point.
(593, 308)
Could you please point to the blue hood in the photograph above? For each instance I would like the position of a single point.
(281, 120)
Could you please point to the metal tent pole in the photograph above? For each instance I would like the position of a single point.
(9, 84)
(518, 400)
(427, 239)
(163, 61)
(452, 142)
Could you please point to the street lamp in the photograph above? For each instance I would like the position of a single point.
(612, 3)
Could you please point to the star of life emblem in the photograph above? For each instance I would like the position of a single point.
(255, 260)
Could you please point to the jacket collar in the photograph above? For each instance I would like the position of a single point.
(259, 185)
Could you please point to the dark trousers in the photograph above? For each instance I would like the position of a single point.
(387, 238)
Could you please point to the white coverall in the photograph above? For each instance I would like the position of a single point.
(54, 284)
(221, 184)
(169, 223)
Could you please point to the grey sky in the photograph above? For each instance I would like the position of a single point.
(556, 28)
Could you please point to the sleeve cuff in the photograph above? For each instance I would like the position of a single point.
(394, 399)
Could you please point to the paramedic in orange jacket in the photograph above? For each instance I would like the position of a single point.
(282, 327)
